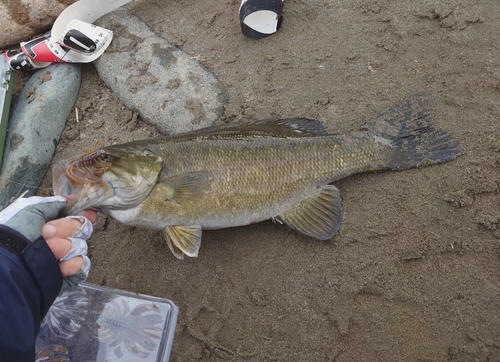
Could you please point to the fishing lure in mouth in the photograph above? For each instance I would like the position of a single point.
(88, 167)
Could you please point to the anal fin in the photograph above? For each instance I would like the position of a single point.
(183, 240)
(317, 216)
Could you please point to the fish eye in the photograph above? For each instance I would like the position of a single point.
(103, 156)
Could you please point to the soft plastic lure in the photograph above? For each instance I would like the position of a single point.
(88, 167)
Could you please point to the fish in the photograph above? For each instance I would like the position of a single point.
(243, 173)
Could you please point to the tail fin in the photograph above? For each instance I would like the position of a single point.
(408, 126)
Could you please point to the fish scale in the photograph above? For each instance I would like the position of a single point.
(260, 171)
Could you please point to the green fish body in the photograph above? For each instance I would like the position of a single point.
(238, 174)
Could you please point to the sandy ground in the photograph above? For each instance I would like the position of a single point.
(414, 273)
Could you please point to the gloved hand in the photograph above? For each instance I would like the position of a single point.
(30, 215)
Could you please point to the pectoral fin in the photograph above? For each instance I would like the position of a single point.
(183, 240)
(186, 185)
(317, 216)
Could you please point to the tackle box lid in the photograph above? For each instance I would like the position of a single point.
(95, 323)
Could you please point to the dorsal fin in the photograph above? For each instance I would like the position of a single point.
(280, 128)
(291, 127)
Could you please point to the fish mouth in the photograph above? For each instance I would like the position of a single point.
(87, 195)
(72, 174)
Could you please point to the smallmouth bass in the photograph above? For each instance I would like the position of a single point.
(238, 174)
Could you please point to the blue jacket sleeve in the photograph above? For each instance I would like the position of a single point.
(30, 280)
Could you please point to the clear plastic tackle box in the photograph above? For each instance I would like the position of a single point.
(94, 323)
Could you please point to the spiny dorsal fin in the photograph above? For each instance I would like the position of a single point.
(292, 127)
(317, 216)
(183, 240)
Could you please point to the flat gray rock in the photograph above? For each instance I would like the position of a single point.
(166, 86)
(37, 119)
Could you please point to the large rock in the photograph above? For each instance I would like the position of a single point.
(37, 119)
(21, 19)
(165, 85)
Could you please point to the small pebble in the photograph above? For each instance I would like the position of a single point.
(411, 255)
